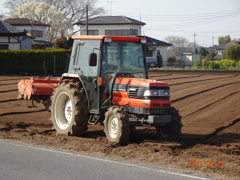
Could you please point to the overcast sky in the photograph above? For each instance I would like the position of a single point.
(209, 19)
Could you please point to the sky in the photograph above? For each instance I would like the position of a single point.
(202, 20)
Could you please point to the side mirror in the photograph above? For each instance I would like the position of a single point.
(92, 59)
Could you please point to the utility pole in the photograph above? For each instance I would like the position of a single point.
(213, 41)
(110, 1)
(87, 19)
(194, 35)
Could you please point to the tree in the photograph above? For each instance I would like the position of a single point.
(236, 40)
(73, 10)
(1, 17)
(233, 52)
(63, 42)
(224, 39)
(179, 45)
(210, 56)
(203, 52)
(44, 13)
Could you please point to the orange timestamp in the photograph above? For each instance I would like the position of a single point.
(206, 164)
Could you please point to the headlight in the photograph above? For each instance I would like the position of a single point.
(157, 93)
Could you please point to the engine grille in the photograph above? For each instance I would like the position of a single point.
(133, 91)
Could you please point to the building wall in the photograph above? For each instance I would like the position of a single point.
(38, 28)
(163, 52)
(14, 44)
(26, 43)
(187, 59)
(102, 28)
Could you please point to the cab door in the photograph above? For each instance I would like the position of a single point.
(89, 74)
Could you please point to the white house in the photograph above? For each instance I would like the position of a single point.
(35, 29)
(112, 25)
(123, 26)
(154, 46)
(188, 58)
(12, 38)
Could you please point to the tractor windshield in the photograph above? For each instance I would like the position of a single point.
(125, 59)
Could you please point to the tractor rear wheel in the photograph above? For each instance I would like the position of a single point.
(171, 131)
(69, 109)
(116, 126)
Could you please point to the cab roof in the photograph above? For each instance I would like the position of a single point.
(114, 38)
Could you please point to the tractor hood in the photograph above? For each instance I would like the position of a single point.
(142, 88)
(139, 82)
(141, 93)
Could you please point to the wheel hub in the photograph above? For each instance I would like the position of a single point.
(63, 110)
(68, 111)
(114, 127)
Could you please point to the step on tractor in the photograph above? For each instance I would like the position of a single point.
(107, 82)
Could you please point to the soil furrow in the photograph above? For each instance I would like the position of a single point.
(199, 92)
(196, 81)
(12, 79)
(10, 100)
(23, 112)
(9, 91)
(219, 129)
(8, 84)
(152, 75)
(204, 107)
(183, 77)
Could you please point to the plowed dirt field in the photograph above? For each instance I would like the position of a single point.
(208, 103)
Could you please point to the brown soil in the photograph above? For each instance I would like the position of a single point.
(210, 144)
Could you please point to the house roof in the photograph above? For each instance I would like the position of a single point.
(155, 42)
(8, 30)
(111, 20)
(223, 46)
(24, 21)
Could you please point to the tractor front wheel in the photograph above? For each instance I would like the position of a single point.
(69, 109)
(116, 126)
(171, 131)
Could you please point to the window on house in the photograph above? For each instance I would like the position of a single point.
(134, 32)
(90, 32)
(83, 32)
(121, 32)
(93, 32)
(4, 47)
(35, 33)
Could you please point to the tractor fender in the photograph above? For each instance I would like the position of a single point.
(77, 77)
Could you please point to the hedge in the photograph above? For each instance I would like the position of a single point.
(223, 64)
(34, 62)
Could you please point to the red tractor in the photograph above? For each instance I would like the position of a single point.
(107, 82)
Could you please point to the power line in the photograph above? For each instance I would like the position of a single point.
(189, 20)
(190, 16)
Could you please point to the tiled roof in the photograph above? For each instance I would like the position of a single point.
(6, 29)
(111, 20)
(223, 46)
(24, 21)
(155, 42)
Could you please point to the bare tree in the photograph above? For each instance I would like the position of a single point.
(1, 17)
(179, 45)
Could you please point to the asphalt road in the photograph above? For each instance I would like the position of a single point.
(20, 161)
